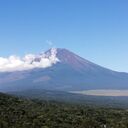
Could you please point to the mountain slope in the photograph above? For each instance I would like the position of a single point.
(71, 73)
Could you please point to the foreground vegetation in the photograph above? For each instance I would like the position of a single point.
(22, 113)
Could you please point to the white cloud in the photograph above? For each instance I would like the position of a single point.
(49, 42)
(29, 61)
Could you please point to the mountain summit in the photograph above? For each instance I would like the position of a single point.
(67, 72)
(67, 57)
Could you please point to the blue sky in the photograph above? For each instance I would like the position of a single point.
(95, 29)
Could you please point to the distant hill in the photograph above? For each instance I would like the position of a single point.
(60, 96)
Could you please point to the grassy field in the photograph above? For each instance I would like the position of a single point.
(103, 92)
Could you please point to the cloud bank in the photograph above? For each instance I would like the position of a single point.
(29, 61)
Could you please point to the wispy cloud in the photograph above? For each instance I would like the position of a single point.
(29, 61)
(49, 42)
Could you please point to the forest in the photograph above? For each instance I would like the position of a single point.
(27, 113)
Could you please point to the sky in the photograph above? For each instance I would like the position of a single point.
(94, 29)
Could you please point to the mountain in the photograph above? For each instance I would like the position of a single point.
(70, 73)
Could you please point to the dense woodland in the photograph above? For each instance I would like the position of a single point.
(26, 113)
